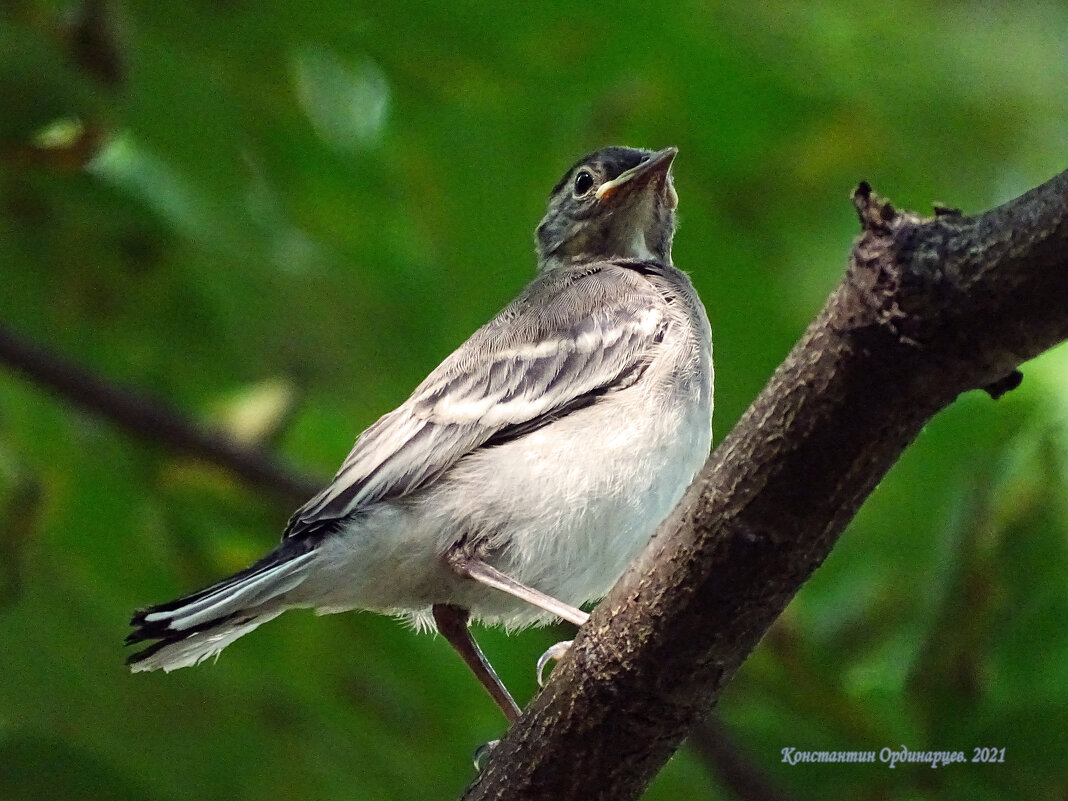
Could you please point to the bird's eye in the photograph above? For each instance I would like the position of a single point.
(583, 183)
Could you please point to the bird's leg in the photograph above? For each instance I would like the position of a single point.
(469, 566)
(452, 623)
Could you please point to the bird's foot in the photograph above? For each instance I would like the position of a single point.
(554, 654)
(482, 754)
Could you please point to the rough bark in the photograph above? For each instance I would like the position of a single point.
(929, 308)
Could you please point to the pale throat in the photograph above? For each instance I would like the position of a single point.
(639, 248)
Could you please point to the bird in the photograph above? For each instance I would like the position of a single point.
(521, 477)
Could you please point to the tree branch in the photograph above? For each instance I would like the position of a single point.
(928, 309)
(153, 420)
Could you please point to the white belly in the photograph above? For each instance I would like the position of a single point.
(563, 509)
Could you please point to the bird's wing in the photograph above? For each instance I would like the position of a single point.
(564, 342)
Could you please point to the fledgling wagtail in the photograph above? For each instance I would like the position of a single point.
(527, 470)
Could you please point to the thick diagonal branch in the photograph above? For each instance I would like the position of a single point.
(929, 308)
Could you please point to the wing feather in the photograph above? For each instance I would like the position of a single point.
(564, 342)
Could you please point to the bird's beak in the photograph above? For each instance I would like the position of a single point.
(656, 166)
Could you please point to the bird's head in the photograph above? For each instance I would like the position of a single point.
(618, 202)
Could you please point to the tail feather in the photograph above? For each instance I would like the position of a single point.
(185, 649)
(198, 626)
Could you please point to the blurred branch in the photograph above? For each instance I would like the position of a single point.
(732, 766)
(93, 41)
(929, 308)
(151, 419)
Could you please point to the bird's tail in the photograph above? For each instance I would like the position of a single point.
(191, 629)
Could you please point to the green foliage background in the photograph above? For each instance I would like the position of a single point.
(279, 217)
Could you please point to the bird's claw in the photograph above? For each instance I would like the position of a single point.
(554, 654)
(482, 752)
